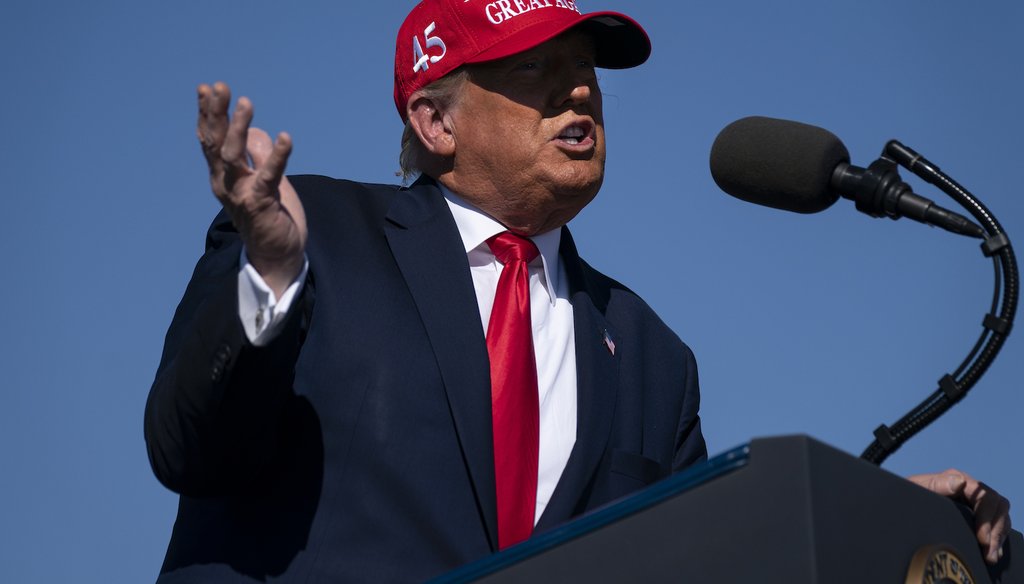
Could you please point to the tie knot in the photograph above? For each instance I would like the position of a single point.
(508, 246)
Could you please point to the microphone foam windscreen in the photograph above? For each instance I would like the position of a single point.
(777, 163)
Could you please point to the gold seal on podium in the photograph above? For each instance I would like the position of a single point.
(938, 564)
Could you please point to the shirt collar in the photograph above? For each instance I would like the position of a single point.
(476, 227)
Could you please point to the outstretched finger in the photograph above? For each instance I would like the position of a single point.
(212, 125)
(233, 150)
(259, 146)
(271, 169)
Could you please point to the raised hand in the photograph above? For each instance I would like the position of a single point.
(247, 177)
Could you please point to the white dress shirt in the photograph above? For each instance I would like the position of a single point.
(554, 345)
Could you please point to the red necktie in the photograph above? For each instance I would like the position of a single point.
(514, 407)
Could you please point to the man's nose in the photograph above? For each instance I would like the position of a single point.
(580, 93)
(573, 89)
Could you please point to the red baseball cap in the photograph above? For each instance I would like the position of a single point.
(439, 36)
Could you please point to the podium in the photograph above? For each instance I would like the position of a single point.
(787, 509)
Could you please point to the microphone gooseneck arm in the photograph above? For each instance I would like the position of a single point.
(996, 325)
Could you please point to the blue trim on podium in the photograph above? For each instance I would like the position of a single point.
(684, 481)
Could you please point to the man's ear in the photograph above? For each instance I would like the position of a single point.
(432, 126)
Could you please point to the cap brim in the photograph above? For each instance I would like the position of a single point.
(621, 42)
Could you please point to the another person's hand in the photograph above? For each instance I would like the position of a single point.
(991, 510)
(247, 177)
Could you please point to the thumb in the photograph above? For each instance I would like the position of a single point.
(948, 484)
(955, 483)
(259, 146)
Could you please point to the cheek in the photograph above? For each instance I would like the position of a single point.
(516, 145)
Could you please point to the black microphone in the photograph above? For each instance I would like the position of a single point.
(802, 168)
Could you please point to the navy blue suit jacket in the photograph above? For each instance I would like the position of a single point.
(357, 445)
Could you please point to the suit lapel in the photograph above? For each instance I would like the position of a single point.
(597, 374)
(426, 245)
(429, 252)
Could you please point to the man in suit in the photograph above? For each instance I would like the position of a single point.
(332, 401)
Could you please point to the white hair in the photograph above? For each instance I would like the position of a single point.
(444, 92)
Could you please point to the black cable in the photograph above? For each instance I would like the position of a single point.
(981, 340)
(954, 387)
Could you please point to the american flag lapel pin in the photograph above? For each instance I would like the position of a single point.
(608, 342)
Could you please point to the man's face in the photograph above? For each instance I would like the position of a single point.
(529, 135)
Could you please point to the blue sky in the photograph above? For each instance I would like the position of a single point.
(826, 325)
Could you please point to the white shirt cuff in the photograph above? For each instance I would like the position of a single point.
(262, 314)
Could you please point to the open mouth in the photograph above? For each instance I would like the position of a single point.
(577, 133)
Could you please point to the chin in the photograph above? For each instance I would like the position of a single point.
(574, 198)
(583, 188)
(580, 178)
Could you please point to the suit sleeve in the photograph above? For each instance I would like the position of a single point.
(213, 411)
(690, 447)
